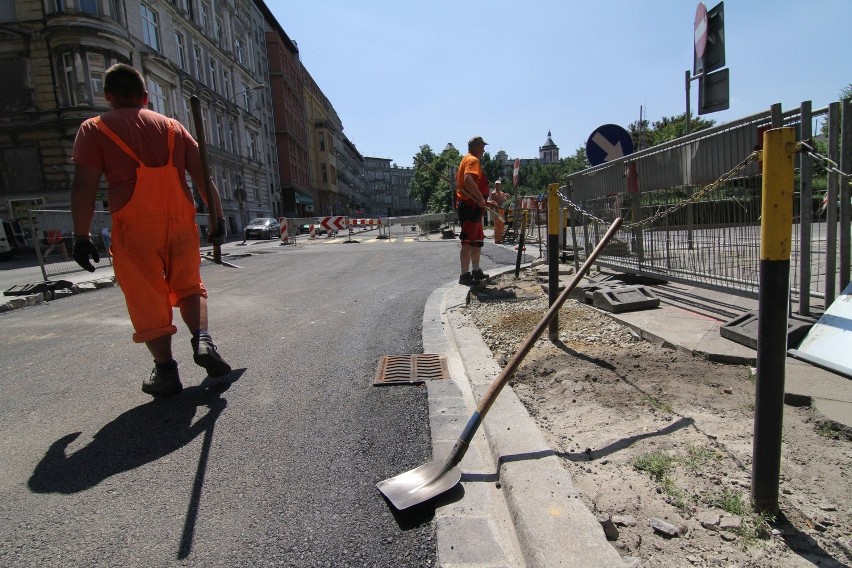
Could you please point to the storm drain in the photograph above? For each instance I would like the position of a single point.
(410, 369)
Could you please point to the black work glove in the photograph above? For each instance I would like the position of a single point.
(221, 232)
(83, 249)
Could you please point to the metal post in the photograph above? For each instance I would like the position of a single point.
(806, 215)
(553, 256)
(831, 209)
(775, 242)
(521, 243)
(37, 243)
(844, 193)
(688, 111)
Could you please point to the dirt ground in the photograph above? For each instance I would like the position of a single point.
(654, 436)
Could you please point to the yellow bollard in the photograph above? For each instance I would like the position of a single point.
(776, 231)
(553, 256)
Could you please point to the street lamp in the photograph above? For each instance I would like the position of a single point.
(246, 98)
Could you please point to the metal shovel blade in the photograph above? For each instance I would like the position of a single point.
(420, 484)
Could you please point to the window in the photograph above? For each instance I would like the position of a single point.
(220, 31)
(158, 98)
(220, 131)
(226, 84)
(181, 50)
(150, 27)
(213, 74)
(97, 68)
(232, 132)
(205, 119)
(203, 17)
(246, 97)
(69, 76)
(322, 142)
(104, 8)
(324, 173)
(187, 117)
(199, 70)
(256, 189)
(252, 148)
(238, 49)
(17, 94)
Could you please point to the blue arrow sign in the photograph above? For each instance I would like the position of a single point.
(608, 142)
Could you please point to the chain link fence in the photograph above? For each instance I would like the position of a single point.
(53, 240)
(691, 209)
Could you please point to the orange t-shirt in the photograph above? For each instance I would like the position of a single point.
(470, 165)
(146, 133)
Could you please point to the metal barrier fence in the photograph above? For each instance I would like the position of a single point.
(692, 209)
(53, 240)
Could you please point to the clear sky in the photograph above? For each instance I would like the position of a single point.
(404, 73)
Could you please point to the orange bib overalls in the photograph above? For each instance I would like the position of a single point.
(155, 245)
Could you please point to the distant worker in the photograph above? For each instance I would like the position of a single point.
(471, 193)
(155, 241)
(497, 198)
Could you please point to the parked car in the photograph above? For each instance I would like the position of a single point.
(262, 228)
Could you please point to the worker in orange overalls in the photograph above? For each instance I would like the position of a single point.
(155, 244)
(496, 198)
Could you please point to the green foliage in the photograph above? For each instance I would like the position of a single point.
(665, 129)
(433, 191)
(658, 464)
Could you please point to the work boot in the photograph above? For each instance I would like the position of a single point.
(164, 380)
(205, 355)
(477, 274)
(466, 279)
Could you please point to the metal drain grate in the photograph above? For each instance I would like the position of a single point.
(409, 369)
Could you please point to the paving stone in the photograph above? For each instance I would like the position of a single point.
(665, 528)
(730, 523)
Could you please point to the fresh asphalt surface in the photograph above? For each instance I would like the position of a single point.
(279, 469)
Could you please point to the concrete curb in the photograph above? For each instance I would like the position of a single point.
(552, 525)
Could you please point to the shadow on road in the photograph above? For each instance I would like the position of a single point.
(139, 436)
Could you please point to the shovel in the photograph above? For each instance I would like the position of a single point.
(440, 475)
(195, 106)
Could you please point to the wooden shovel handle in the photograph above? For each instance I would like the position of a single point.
(472, 425)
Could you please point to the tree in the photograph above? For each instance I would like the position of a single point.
(432, 185)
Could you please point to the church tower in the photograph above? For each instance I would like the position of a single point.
(548, 153)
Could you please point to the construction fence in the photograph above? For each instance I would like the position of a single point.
(692, 207)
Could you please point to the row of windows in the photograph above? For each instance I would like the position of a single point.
(242, 47)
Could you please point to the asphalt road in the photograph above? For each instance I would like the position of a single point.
(279, 469)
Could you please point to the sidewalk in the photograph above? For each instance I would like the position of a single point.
(547, 523)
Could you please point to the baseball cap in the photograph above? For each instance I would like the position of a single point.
(476, 140)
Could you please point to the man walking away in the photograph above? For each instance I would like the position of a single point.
(155, 244)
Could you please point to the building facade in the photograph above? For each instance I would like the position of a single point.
(388, 186)
(291, 133)
(56, 54)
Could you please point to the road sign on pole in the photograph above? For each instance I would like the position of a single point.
(713, 93)
(700, 28)
(608, 142)
(709, 27)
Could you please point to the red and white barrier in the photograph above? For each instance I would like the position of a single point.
(365, 222)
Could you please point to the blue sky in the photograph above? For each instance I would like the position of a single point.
(401, 74)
